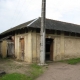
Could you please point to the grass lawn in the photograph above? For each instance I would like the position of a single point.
(14, 76)
(72, 61)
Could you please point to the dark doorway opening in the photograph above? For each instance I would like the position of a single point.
(10, 47)
(49, 49)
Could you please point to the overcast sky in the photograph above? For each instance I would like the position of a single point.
(15, 12)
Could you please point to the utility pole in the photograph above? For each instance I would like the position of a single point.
(42, 43)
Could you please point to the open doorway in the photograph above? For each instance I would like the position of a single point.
(10, 47)
(49, 49)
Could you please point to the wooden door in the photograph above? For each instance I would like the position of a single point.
(22, 48)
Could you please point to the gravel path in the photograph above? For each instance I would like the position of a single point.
(61, 71)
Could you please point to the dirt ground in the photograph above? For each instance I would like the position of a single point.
(54, 71)
(61, 71)
(13, 66)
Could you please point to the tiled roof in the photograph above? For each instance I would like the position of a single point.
(50, 24)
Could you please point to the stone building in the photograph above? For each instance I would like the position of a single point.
(62, 41)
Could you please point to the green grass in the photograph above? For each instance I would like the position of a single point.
(34, 72)
(14, 76)
(72, 61)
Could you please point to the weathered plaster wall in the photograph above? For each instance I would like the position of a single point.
(4, 49)
(27, 46)
(0, 48)
(66, 47)
(63, 47)
(71, 47)
(57, 48)
(38, 47)
(16, 46)
(34, 46)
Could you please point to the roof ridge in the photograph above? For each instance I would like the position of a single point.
(63, 21)
(33, 21)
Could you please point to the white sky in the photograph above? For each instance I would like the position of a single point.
(15, 12)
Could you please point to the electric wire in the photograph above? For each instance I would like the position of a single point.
(16, 8)
(18, 15)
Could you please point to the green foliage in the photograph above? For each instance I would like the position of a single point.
(72, 61)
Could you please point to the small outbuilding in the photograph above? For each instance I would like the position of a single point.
(23, 41)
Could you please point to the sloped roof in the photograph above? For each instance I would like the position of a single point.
(50, 24)
(57, 25)
(17, 27)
